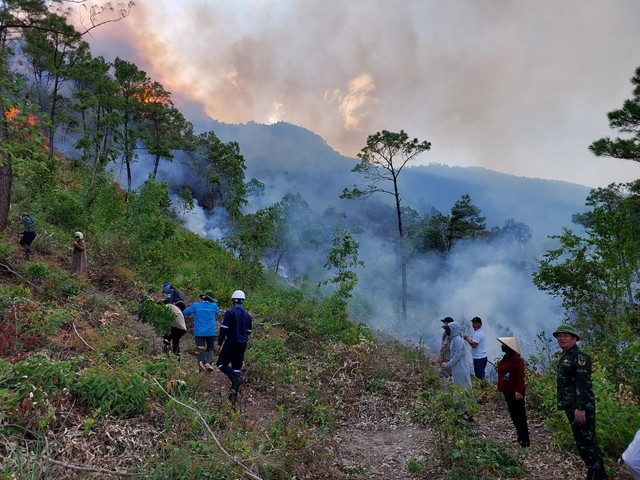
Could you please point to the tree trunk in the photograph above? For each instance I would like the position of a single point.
(403, 262)
(6, 174)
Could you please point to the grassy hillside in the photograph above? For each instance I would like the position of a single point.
(87, 392)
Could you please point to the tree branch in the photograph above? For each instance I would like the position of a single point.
(206, 425)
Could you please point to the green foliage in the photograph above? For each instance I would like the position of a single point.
(331, 322)
(64, 210)
(158, 316)
(120, 392)
(594, 274)
(270, 361)
(316, 409)
(54, 283)
(626, 121)
(31, 384)
(630, 365)
(342, 257)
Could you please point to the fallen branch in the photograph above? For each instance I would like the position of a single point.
(10, 270)
(213, 435)
(83, 341)
(73, 466)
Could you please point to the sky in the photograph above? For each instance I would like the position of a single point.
(517, 87)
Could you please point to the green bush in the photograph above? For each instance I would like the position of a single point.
(156, 315)
(269, 361)
(35, 378)
(119, 392)
(617, 419)
(458, 450)
(65, 210)
(629, 366)
(54, 283)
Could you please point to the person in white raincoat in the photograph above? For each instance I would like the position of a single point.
(459, 365)
(631, 457)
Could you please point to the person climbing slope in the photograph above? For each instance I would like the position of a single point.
(204, 328)
(234, 337)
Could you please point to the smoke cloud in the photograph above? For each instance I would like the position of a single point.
(521, 88)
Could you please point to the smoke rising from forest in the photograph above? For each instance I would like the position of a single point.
(491, 280)
(519, 88)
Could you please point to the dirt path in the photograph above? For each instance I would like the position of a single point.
(382, 450)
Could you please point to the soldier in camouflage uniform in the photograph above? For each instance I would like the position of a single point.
(576, 398)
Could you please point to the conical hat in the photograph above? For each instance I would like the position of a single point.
(511, 342)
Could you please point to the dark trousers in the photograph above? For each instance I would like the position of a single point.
(26, 240)
(587, 444)
(174, 339)
(231, 354)
(479, 367)
(518, 415)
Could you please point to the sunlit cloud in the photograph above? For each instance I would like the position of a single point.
(277, 113)
(357, 104)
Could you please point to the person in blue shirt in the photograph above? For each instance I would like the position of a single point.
(204, 328)
(233, 338)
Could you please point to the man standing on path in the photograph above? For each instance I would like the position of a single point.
(204, 328)
(576, 398)
(234, 337)
(479, 354)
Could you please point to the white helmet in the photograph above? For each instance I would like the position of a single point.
(237, 295)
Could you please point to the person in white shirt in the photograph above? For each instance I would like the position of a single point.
(478, 353)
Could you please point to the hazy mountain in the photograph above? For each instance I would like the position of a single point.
(290, 158)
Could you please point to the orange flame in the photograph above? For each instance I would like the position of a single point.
(13, 118)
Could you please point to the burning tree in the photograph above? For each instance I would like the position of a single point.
(16, 18)
(381, 162)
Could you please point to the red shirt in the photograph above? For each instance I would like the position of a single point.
(511, 374)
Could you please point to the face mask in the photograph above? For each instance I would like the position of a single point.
(505, 349)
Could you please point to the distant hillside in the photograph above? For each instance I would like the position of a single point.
(291, 158)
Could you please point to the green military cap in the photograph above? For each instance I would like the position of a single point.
(566, 328)
(208, 296)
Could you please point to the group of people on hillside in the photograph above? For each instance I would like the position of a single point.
(574, 390)
(232, 338)
(79, 256)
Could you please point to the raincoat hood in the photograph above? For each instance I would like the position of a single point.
(455, 328)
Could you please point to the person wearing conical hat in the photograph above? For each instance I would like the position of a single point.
(576, 398)
(511, 384)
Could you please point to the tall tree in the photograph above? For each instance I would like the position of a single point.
(96, 96)
(342, 258)
(162, 127)
(54, 55)
(627, 121)
(222, 181)
(464, 221)
(17, 17)
(381, 162)
(131, 82)
(595, 274)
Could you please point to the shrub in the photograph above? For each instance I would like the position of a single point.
(269, 361)
(156, 315)
(120, 392)
(65, 210)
